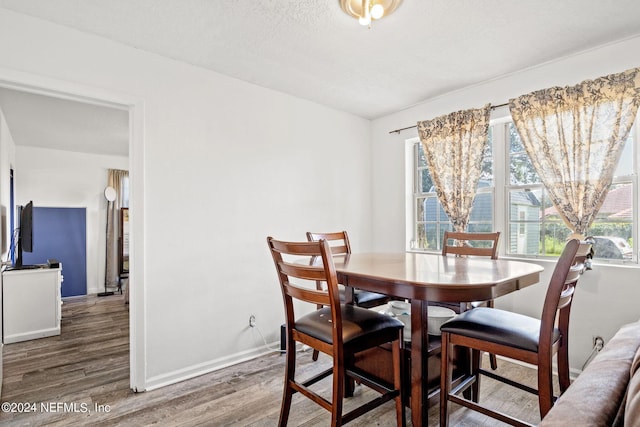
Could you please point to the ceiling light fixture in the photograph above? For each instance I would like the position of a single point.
(366, 10)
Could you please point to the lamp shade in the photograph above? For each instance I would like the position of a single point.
(110, 194)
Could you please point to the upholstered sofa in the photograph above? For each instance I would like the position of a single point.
(607, 392)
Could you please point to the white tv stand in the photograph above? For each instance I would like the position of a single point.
(31, 304)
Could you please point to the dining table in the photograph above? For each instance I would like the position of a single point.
(425, 278)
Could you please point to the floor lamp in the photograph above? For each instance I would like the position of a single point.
(110, 195)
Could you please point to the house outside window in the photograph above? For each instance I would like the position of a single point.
(512, 199)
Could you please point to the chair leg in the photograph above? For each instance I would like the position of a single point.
(289, 376)
(563, 366)
(545, 385)
(398, 369)
(493, 361)
(316, 353)
(337, 398)
(349, 382)
(476, 356)
(446, 373)
(492, 357)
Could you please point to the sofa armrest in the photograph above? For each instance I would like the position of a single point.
(632, 408)
(596, 397)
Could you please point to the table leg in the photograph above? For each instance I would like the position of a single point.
(419, 365)
(348, 294)
(350, 384)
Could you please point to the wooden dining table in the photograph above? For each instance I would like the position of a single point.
(425, 278)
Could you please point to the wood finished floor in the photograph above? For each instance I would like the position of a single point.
(88, 365)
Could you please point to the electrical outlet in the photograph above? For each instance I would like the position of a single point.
(252, 320)
(598, 342)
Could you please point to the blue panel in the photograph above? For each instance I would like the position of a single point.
(61, 233)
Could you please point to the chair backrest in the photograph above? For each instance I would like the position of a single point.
(299, 266)
(557, 303)
(474, 244)
(338, 241)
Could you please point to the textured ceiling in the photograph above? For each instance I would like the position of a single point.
(313, 50)
(46, 122)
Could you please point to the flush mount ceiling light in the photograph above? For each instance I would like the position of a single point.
(366, 10)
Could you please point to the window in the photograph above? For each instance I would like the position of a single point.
(125, 192)
(431, 221)
(545, 232)
(530, 223)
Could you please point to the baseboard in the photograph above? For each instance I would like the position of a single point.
(573, 373)
(31, 335)
(169, 378)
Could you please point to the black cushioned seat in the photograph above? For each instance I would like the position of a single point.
(498, 326)
(368, 299)
(357, 324)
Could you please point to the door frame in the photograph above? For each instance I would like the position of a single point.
(32, 83)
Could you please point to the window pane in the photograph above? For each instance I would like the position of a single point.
(421, 238)
(480, 228)
(433, 211)
(430, 239)
(524, 239)
(625, 164)
(521, 169)
(555, 238)
(420, 209)
(482, 210)
(515, 143)
(125, 192)
(524, 217)
(426, 183)
(422, 161)
(486, 176)
(613, 227)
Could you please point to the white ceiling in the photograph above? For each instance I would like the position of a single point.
(313, 50)
(46, 122)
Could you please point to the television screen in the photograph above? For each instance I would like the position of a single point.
(26, 227)
(25, 233)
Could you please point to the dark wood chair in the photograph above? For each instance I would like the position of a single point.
(473, 244)
(519, 337)
(338, 330)
(339, 242)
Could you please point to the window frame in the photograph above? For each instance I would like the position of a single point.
(416, 194)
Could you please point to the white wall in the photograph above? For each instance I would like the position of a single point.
(63, 179)
(608, 296)
(226, 163)
(7, 154)
(7, 158)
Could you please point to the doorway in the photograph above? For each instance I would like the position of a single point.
(32, 84)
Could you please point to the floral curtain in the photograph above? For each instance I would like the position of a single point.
(116, 180)
(454, 145)
(574, 137)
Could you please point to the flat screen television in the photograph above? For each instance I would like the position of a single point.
(25, 233)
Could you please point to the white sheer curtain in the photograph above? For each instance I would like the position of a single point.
(574, 137)
(454, 145)
(118, 180)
